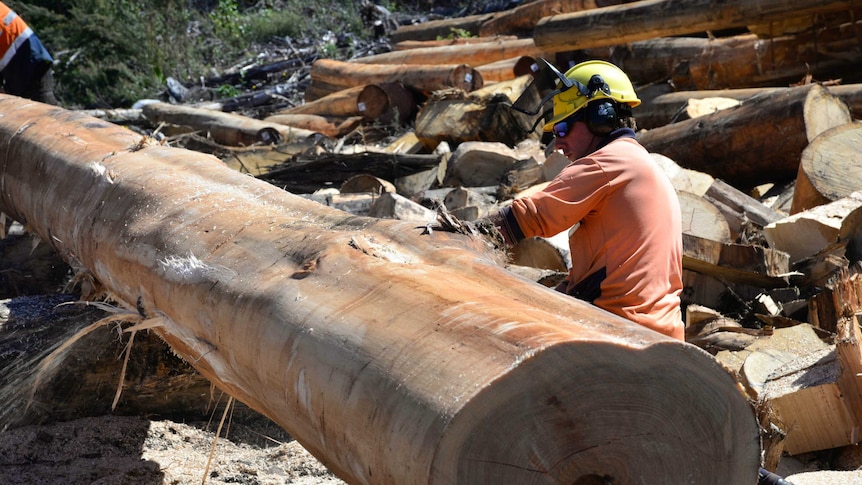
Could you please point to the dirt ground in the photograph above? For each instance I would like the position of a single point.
(113, 450)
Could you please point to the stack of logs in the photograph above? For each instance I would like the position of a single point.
(751, 111)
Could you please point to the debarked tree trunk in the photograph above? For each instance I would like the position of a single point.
(393, 353)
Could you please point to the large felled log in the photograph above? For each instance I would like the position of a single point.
(439, 29)
(339, 103)
(225, 128)
(470, 54)
(739, 61)
(333, 127)
(666, 108)
(439, 42)
(621, 24)
(831, 168)
(329, 75)
(391, 352)
(524, 18)
(759, 141)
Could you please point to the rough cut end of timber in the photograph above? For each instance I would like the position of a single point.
(831, 167)
(395, 352)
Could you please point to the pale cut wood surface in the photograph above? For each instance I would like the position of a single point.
(831, 167)
(338, 328)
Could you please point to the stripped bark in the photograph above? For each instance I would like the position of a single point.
(329, 324)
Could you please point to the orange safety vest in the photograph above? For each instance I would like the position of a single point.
(13, 32)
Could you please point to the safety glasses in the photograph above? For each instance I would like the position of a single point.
(562, 128)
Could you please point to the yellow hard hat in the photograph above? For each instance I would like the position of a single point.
(589, 81)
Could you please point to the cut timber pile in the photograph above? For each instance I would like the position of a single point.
(400, 352)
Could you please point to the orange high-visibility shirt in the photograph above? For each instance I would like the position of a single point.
(630, 226)
(13, 32)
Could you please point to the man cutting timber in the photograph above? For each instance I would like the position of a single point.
(621, 211)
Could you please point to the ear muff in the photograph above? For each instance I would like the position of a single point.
(601, 117)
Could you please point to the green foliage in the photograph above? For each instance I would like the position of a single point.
(456, 33)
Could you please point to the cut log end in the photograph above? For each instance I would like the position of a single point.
(612, 418)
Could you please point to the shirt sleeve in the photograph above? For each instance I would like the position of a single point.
(579, 189)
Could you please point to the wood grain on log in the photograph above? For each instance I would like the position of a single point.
(831, 167)
(339, 329)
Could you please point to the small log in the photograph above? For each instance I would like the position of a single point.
(118, 116)
(341, 103)
(416, 44)
(330, 76)
(507, 69)
(477, 164)
(226, 128)
(740, 145)
(333, 127)
(649, 19)
(387, 103)
(469, 54)
(831, 167)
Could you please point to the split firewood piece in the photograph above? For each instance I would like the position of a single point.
(479, 163)
(703, 219)
(408, 143)
(817, 398)
(507, 69)
(483, 115)
(390, 205)
(392, 350)
(683, 179)
(326, 125)
(358, 204)
(226, 128)
(340, 103)
(744, 214)
(470, 54)
(329, 76)
(544, 253)
(739, 145)
(831, 167)
(742, 263)
(805, 233)
(770, 353)
(442, 42)
(638, 21)
(840, 295)
(387, 103)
